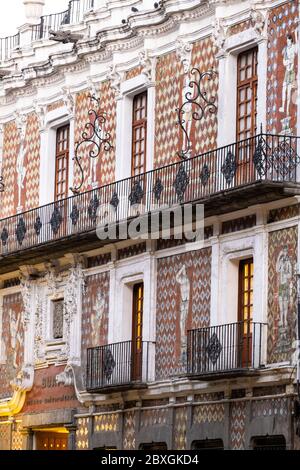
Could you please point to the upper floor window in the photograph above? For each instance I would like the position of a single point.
(57, 307)
(139, 134)
(247, 94)
(62, 162)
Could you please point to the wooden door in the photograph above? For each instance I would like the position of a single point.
(51, 441)
(245, 316)
(247, 82)
(137, 332)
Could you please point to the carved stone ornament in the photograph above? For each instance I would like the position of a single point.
(116, 78)
(66, 377)
(26, 292)
(68, 100)
(24, 380)
(184, 52)
(148, 65)
(74, 286)
(65, 36)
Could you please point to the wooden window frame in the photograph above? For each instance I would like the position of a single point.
(63, 154)
(252, 83)
(136, 124)
(137, 339)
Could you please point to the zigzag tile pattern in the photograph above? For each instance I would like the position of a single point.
(237, 425)
(30, 194)
(11, 144)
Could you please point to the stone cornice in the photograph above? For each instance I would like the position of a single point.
(128, 36)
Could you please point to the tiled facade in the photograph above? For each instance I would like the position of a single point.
(84, 290)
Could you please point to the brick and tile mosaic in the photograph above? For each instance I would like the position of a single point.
(106, 423)
(282, 294)
(237, 425)
(210, 413)
(82, 434)
(95, 311)
(282, 69)
(153, 417)
(129, 438)
(13, 342)
(197, 265)
(180, 428)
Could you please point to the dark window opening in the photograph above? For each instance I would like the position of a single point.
(268, 443)
(208, 444)
(154, 446)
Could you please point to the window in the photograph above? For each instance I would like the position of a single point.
(208, 444)
(160, 446)
(62, 162)
(247, 94)
(139, 134)
(57, 307)
(245, 311)
(137, 330)
(268, 443)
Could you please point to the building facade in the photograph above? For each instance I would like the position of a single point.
(109, 110)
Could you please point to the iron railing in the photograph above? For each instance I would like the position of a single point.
(224, 348)
(268, 158)
(7, 45)
(73, 15)
(116, 365)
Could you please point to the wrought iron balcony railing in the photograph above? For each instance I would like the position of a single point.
(262, 159)
(74, 14)
(7, 45)
(117, 365)
(224, 349)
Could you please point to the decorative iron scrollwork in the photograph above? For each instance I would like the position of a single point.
(285, 159)
(114, 202)
(229, 167)
(205, 174)
(56, 220)
(214, 348)
(260, 159)
(93, 208)
(181, 182)
(137, 193)
(109, 364)
(95, 136)
(197, 103)
(158, 189)
(21, 230)
(38, 225)
(74, 216)
(4, 236)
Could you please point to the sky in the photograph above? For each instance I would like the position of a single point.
(12, 17)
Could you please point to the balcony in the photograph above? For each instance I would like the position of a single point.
(7, 46)
(227, 350)
(73, 15)
(257, 170)
(118, 366)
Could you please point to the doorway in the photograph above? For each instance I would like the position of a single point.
(51, 439)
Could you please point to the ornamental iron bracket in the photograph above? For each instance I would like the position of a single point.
(94, 139)
(197, 102)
